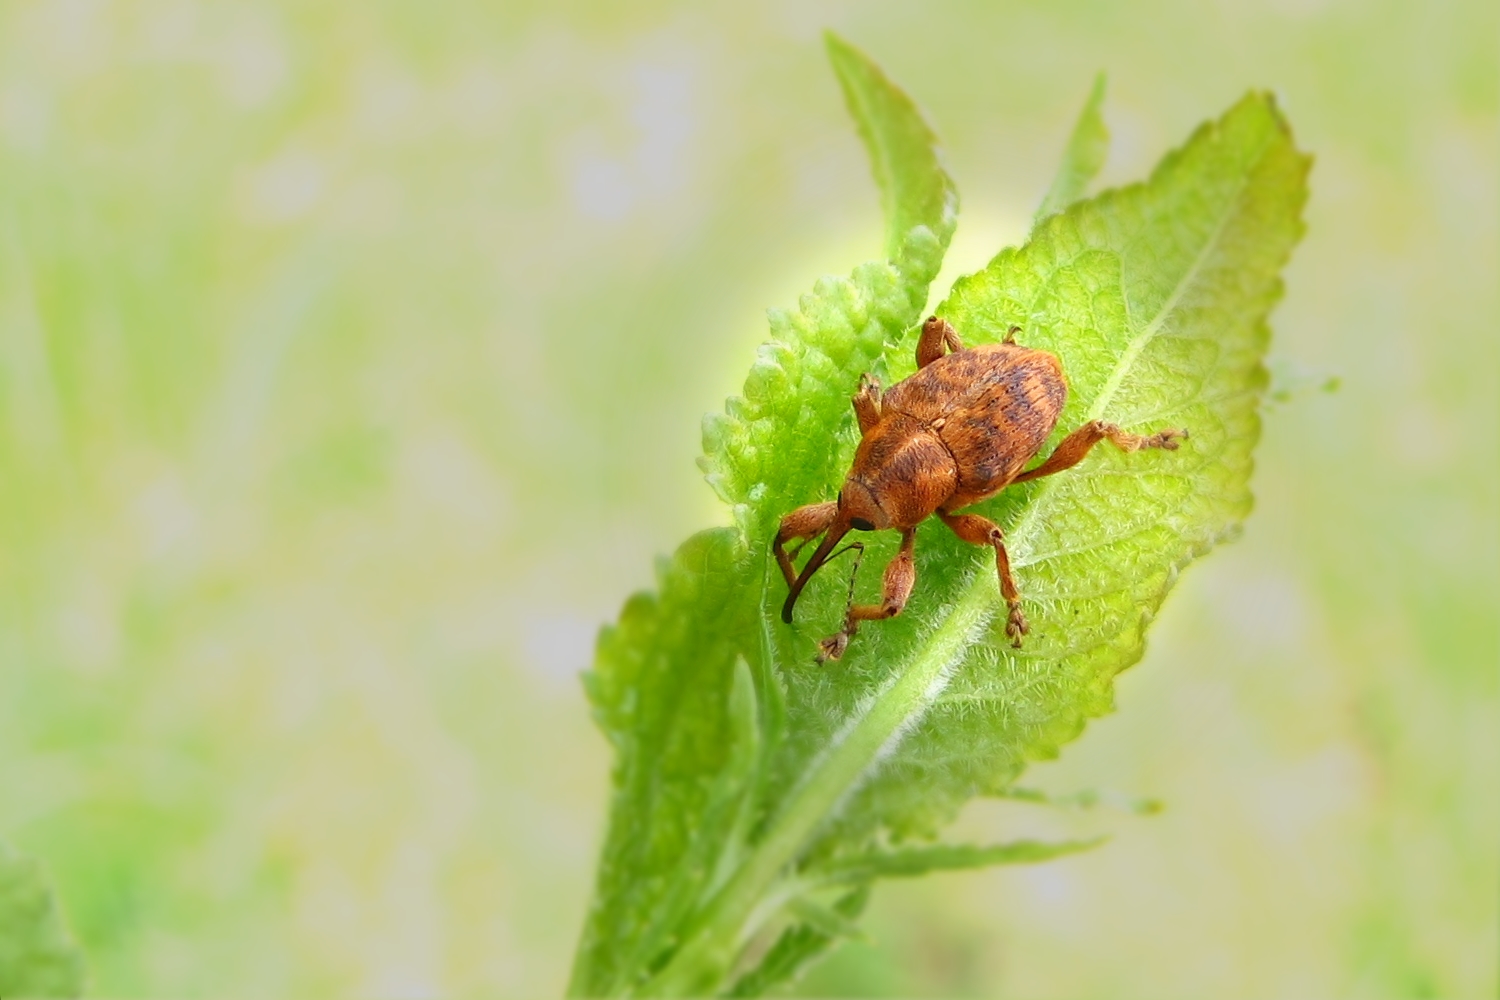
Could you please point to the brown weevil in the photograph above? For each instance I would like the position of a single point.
(957, 431)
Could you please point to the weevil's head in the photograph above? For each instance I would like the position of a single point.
(859, 509)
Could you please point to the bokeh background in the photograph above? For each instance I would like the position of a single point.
(351, 362)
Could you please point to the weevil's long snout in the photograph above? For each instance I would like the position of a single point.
(837, 530)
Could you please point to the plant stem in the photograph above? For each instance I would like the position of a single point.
(872, 731)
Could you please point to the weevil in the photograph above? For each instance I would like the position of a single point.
(957, 431)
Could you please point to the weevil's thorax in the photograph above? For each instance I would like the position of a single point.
(902, 473)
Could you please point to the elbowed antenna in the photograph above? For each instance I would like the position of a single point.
(836, 531)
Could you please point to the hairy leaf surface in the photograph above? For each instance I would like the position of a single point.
(749, 779)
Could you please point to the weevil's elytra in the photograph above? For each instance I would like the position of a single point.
(958, 431)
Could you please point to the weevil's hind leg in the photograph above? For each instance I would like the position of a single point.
(900, 577)
(804, 522)
(936, 333)
(1076, 445)
(867, 403)
(978, 530)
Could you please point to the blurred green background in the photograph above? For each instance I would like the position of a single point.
(351, 363)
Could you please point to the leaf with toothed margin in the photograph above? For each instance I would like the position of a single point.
(800, 378)
(665, 688)
(747, 777)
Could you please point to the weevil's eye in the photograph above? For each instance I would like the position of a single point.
(860, 524)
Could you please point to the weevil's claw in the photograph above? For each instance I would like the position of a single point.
(1015, 626)
(1167, 439)
(832, 647)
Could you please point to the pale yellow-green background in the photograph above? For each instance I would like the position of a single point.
(351, 361)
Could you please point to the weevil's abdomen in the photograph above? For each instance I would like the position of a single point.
(997, 404)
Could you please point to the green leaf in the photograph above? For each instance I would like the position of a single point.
(797, 947)
(662, 690)
(37, 956)
(1155, 297)
(729, 809)
(844, 324)
(662, 681)
(1087, 799)
(914, 188)
(1082, 159)
(1291, 382)
(825, 920)
(915, 861)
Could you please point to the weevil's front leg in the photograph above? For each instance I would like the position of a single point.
(1076, 445)
(867, 403)
(935, 334)
(900, 577)
(978, 530)
(804, 522)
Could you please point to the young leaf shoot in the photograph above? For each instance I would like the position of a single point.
(758, 795)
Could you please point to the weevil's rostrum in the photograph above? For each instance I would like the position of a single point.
(958, 431)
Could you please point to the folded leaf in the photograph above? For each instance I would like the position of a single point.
(1083, 157)
(914, 188)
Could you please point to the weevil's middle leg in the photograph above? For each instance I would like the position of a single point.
(900, 578)
(804, 522)
(936, 333)
(1076, 445)
(978, 530)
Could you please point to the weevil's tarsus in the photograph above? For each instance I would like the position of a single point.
(867, 403)
(896, 587)
(936, 334)
(1075, 446)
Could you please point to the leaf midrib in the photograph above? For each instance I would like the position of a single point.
(1025, 525)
